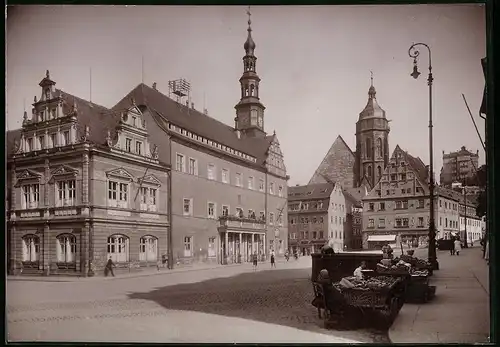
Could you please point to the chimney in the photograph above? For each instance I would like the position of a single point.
(205, 112)
(238, 134)
(154, 86)
(187, 103)
(192, 105)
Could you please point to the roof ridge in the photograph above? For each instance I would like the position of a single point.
(81, 99)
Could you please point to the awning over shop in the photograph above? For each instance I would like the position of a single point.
(379, 238)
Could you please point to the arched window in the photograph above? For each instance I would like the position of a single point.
(252, 90)
(368, 148)
(31, 248)
(66, 248)
(148, 249)
(246, 89)
(369, 171)
(380, 150)
(118, 248)
(379, 172)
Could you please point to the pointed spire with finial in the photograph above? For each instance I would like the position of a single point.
(249, 44)
(371, 92)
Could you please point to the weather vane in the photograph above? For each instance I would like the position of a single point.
(371, 76)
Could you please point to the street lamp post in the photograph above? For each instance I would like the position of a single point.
(414, 53)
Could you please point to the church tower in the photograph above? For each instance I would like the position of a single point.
(249, 111)
(372, 143)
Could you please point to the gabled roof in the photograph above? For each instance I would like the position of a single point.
(416, 164)
(310, 192)
(462, 152)
(327, 168)
(456, 196)
(355, 195)
(165, 108)
(99, 119)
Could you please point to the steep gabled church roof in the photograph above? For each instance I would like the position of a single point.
(337, 165)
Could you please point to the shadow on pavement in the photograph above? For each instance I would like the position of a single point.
(275, 296)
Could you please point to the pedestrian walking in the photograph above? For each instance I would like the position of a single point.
(273, 263)
(255, 261)
(109, 268)
(452, 249)
(458, 246)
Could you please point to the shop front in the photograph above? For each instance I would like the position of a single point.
(376, 242)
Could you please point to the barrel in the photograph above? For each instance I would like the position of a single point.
(342, 264)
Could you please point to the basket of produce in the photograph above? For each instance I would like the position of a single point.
(399, 269)
(372, 292)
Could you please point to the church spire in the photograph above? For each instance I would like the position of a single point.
(371, 92)
(249, 111)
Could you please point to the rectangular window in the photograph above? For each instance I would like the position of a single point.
(421, 203)
(399, 223)
(138, 148)
(53, 140)
(144, 198)
(211, 172)
(271, 217)
(238, 179)
(271, 188)
(262, 215)
(225, 176)
(239, 212)
(280, 191)
(188, 246)
(382, 206)
(29, 144)
(193, 167)
(405, 222)
(187, 209)
(394, 177)
(261, 185)
(212, 252)
(211, 210)
(179, 162)
(381, 223)
(420, 222)
(251, 214)
(128, 145)
(66, 193)
(321, 235)
(31, 196)
(371, 206)
(112, 193)
(371, 223)
(250, 182)
(66, 138)
(152, 199)
(41, 142)
(405, 204)
(225, 210)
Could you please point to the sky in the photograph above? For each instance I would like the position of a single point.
(314, 62)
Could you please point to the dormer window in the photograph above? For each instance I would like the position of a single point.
(53, 139)
(128, 145)
(41, 141)
(138, 147)
(47, 94)
(65, 138)
(41, 116)
(53, 114)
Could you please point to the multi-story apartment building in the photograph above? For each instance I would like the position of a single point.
(308, 217)
(458, 166)
(84, 185)
(338, 226)
(229, 183)
(317, 216)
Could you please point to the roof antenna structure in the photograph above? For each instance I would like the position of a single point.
(181, 88)
(90, 97)
(142, 69)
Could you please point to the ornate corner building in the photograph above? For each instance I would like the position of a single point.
(84, 185)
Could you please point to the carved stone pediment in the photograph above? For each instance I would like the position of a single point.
(28, 175)
(149, 179)
(121, 174)
(64, 170)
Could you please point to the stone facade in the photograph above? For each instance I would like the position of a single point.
(458, 166)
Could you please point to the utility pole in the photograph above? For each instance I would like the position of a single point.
(465, 216)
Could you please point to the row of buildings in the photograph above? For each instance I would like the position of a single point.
(148, 180)
(386, 197)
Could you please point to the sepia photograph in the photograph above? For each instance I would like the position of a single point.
(247, 174)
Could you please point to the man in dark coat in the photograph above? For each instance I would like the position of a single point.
(109, 268)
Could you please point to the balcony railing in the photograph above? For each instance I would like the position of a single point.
(237, 222)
